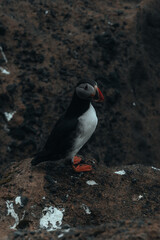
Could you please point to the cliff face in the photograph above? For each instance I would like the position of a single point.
(46, 47)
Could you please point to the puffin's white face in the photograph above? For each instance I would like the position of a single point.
(88, 92)
(85, 91)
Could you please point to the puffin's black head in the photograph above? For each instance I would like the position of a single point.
(89, 90)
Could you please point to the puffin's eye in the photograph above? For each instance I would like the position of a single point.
(86, 87)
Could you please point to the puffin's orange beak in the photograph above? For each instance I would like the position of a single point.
(98, 96)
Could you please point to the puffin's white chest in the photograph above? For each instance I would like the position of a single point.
(86, 127)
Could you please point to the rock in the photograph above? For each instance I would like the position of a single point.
(4, 101)
(120, 12)
(109, 46)
(11, 88)
(17, 133)
(132, 201)
(24, 200)
(49, 48)
(121, 58)
(2, 29)
(148, 20)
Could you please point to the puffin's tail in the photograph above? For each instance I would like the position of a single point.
(40, 157)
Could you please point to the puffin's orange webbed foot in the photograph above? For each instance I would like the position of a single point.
(82, 168)
(77, 160)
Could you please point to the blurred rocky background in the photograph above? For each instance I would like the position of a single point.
(46, 47)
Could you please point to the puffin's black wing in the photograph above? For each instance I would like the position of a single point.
(60, 141)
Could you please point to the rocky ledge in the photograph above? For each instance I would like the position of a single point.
(51, 201)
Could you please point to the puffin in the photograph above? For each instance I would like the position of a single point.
(74, 128)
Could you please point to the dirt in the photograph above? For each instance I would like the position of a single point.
(46, 48)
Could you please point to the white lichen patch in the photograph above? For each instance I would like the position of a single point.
(136, 198)
(157, 169)
(86, 209)
(61, 235)
(134, 104)
(11, 212)
(18, 201)
(3, 54)
(140, 197)
(110, 23)
(6, 128)
(4, 71)
(9, 115)
(91, 182)
(121, 172)
(9, 149)
(63, 231)
(51, 218)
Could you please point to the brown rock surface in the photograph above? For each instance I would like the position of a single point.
(46, 48)
(100, 204)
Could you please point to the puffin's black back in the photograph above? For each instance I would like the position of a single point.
(59, 142)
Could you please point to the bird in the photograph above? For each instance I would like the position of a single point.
(74, 128)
